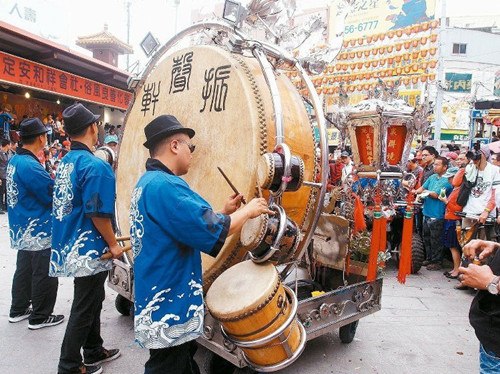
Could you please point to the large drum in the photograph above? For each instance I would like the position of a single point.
(225, 98)
(258, 314)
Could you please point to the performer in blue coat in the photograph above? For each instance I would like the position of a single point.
(82, 231)
(29, 202)
(170, 226)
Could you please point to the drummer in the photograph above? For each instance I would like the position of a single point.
(170, 226)
(82, 214)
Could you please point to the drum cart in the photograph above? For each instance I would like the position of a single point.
(323, 299)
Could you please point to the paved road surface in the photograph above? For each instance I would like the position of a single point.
(422, 328)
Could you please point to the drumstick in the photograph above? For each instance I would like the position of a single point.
(122, 238)
(109, 255)
(231, 185)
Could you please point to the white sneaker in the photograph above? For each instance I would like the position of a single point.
(22, 316)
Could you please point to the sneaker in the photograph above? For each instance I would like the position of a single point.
(90, 369)
(434, 267)
(2, 212)
(49, 321)
(426, 262)
(21, 316)
(105, 356)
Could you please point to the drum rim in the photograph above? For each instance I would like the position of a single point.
(250, 312)
(261, 234)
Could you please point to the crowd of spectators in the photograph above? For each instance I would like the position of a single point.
(441, 220)
(58, 145)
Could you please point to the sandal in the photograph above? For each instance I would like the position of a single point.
(448, 275)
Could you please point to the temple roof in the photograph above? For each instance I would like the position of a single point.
(104, 39)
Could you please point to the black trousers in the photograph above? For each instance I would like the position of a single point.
(32, 285)
(3, 195)
(84, 324)
(174, 360)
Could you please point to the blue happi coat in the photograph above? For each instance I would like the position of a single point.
(29, 202)
(169, 226)
(84, 188)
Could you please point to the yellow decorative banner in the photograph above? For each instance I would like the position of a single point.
(379, 16)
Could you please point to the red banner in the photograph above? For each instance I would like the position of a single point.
(364, 138)
(41, 77)
(396, 136)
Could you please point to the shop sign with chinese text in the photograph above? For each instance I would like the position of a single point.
(22, 72)
(457, 82)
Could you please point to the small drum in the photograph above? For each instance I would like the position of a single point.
(271, 172)
(258, 314)
(271, 238)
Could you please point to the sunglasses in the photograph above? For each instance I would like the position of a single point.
(191, 146)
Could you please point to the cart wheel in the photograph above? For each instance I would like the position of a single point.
(417, 253)
(347, 332)
(123, 305)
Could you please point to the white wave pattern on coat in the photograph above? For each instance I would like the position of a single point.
(12, 190)
(136, 219)
(63, 192)
(159, 334)
(24, 240)
(70, 263)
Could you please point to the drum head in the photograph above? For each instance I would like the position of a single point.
(253, 231)
(241, 288)
(224, 97)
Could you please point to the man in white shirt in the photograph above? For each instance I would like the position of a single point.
(481, 200)
(348, 165)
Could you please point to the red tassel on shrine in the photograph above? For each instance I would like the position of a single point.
(406, 243)
(375, 245)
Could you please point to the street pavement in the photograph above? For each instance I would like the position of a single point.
(423, 327)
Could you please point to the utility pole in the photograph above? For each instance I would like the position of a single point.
(176, 3)
(128, 32)
(440, 79)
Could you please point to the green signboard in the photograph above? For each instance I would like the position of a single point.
(457, 82)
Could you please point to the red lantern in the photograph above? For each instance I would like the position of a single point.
(433, 38)
(432, 64)
(374, 63)
(398, 58)
(433, 51)
(390, 34)
(415, 55)
(383, 61)
(390, 48)
(375, 37)
(423, 40)
(423, 78)
(423, 52)
(359, 54)
(399, 33)
(374, 51)
(399, 46)
(407, 44)
(425, 26)
(381, 36)
(415, 43)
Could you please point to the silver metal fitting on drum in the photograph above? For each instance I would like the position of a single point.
(271, 238)
(280, 334)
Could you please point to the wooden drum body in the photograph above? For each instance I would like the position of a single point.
(258, 314)
(224, 97)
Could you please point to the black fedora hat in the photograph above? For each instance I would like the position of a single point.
(31, 127)
(77, 117)
(163, 126)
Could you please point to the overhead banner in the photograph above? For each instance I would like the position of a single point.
(26, 73)
(457, 82)
(379, 16)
